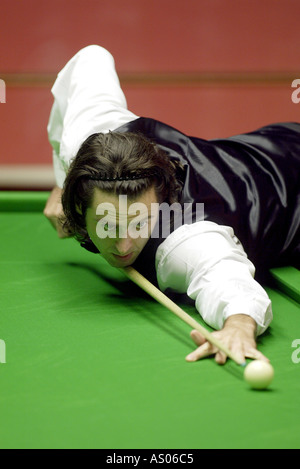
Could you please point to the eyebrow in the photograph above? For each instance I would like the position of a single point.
(100, 217)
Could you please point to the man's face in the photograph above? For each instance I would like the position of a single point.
(121, 227)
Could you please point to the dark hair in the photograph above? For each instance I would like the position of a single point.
(129, 163)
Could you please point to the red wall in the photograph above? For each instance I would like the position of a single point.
(250, 49)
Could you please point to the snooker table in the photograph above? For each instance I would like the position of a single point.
(90, 361)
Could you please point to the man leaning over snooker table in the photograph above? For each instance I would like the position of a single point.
(249, 185)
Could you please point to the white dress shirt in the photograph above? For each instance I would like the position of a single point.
(207, 261)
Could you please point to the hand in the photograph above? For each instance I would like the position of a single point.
(238, 335)
(54, 212)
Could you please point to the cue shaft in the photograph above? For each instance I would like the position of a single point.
(159, 296)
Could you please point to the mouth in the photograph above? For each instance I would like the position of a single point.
(126, 258)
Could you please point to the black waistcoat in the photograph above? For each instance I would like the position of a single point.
(250, 182)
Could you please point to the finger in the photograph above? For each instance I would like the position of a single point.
(198, 338)
(256, 355)
(238, 350)
(204, 351)
(220, 358)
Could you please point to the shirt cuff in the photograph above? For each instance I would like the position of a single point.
(259, 309)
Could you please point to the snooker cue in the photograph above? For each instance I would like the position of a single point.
(159, 296)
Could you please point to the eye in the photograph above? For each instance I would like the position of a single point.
(109, 227)
(105, 229)
(142, 224)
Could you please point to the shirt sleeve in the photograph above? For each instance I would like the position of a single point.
(207, 261)
(87, 99)
(55, 131)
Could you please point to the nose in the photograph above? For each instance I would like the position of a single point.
(123, 246)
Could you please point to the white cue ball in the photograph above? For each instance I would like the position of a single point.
(259, 374)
